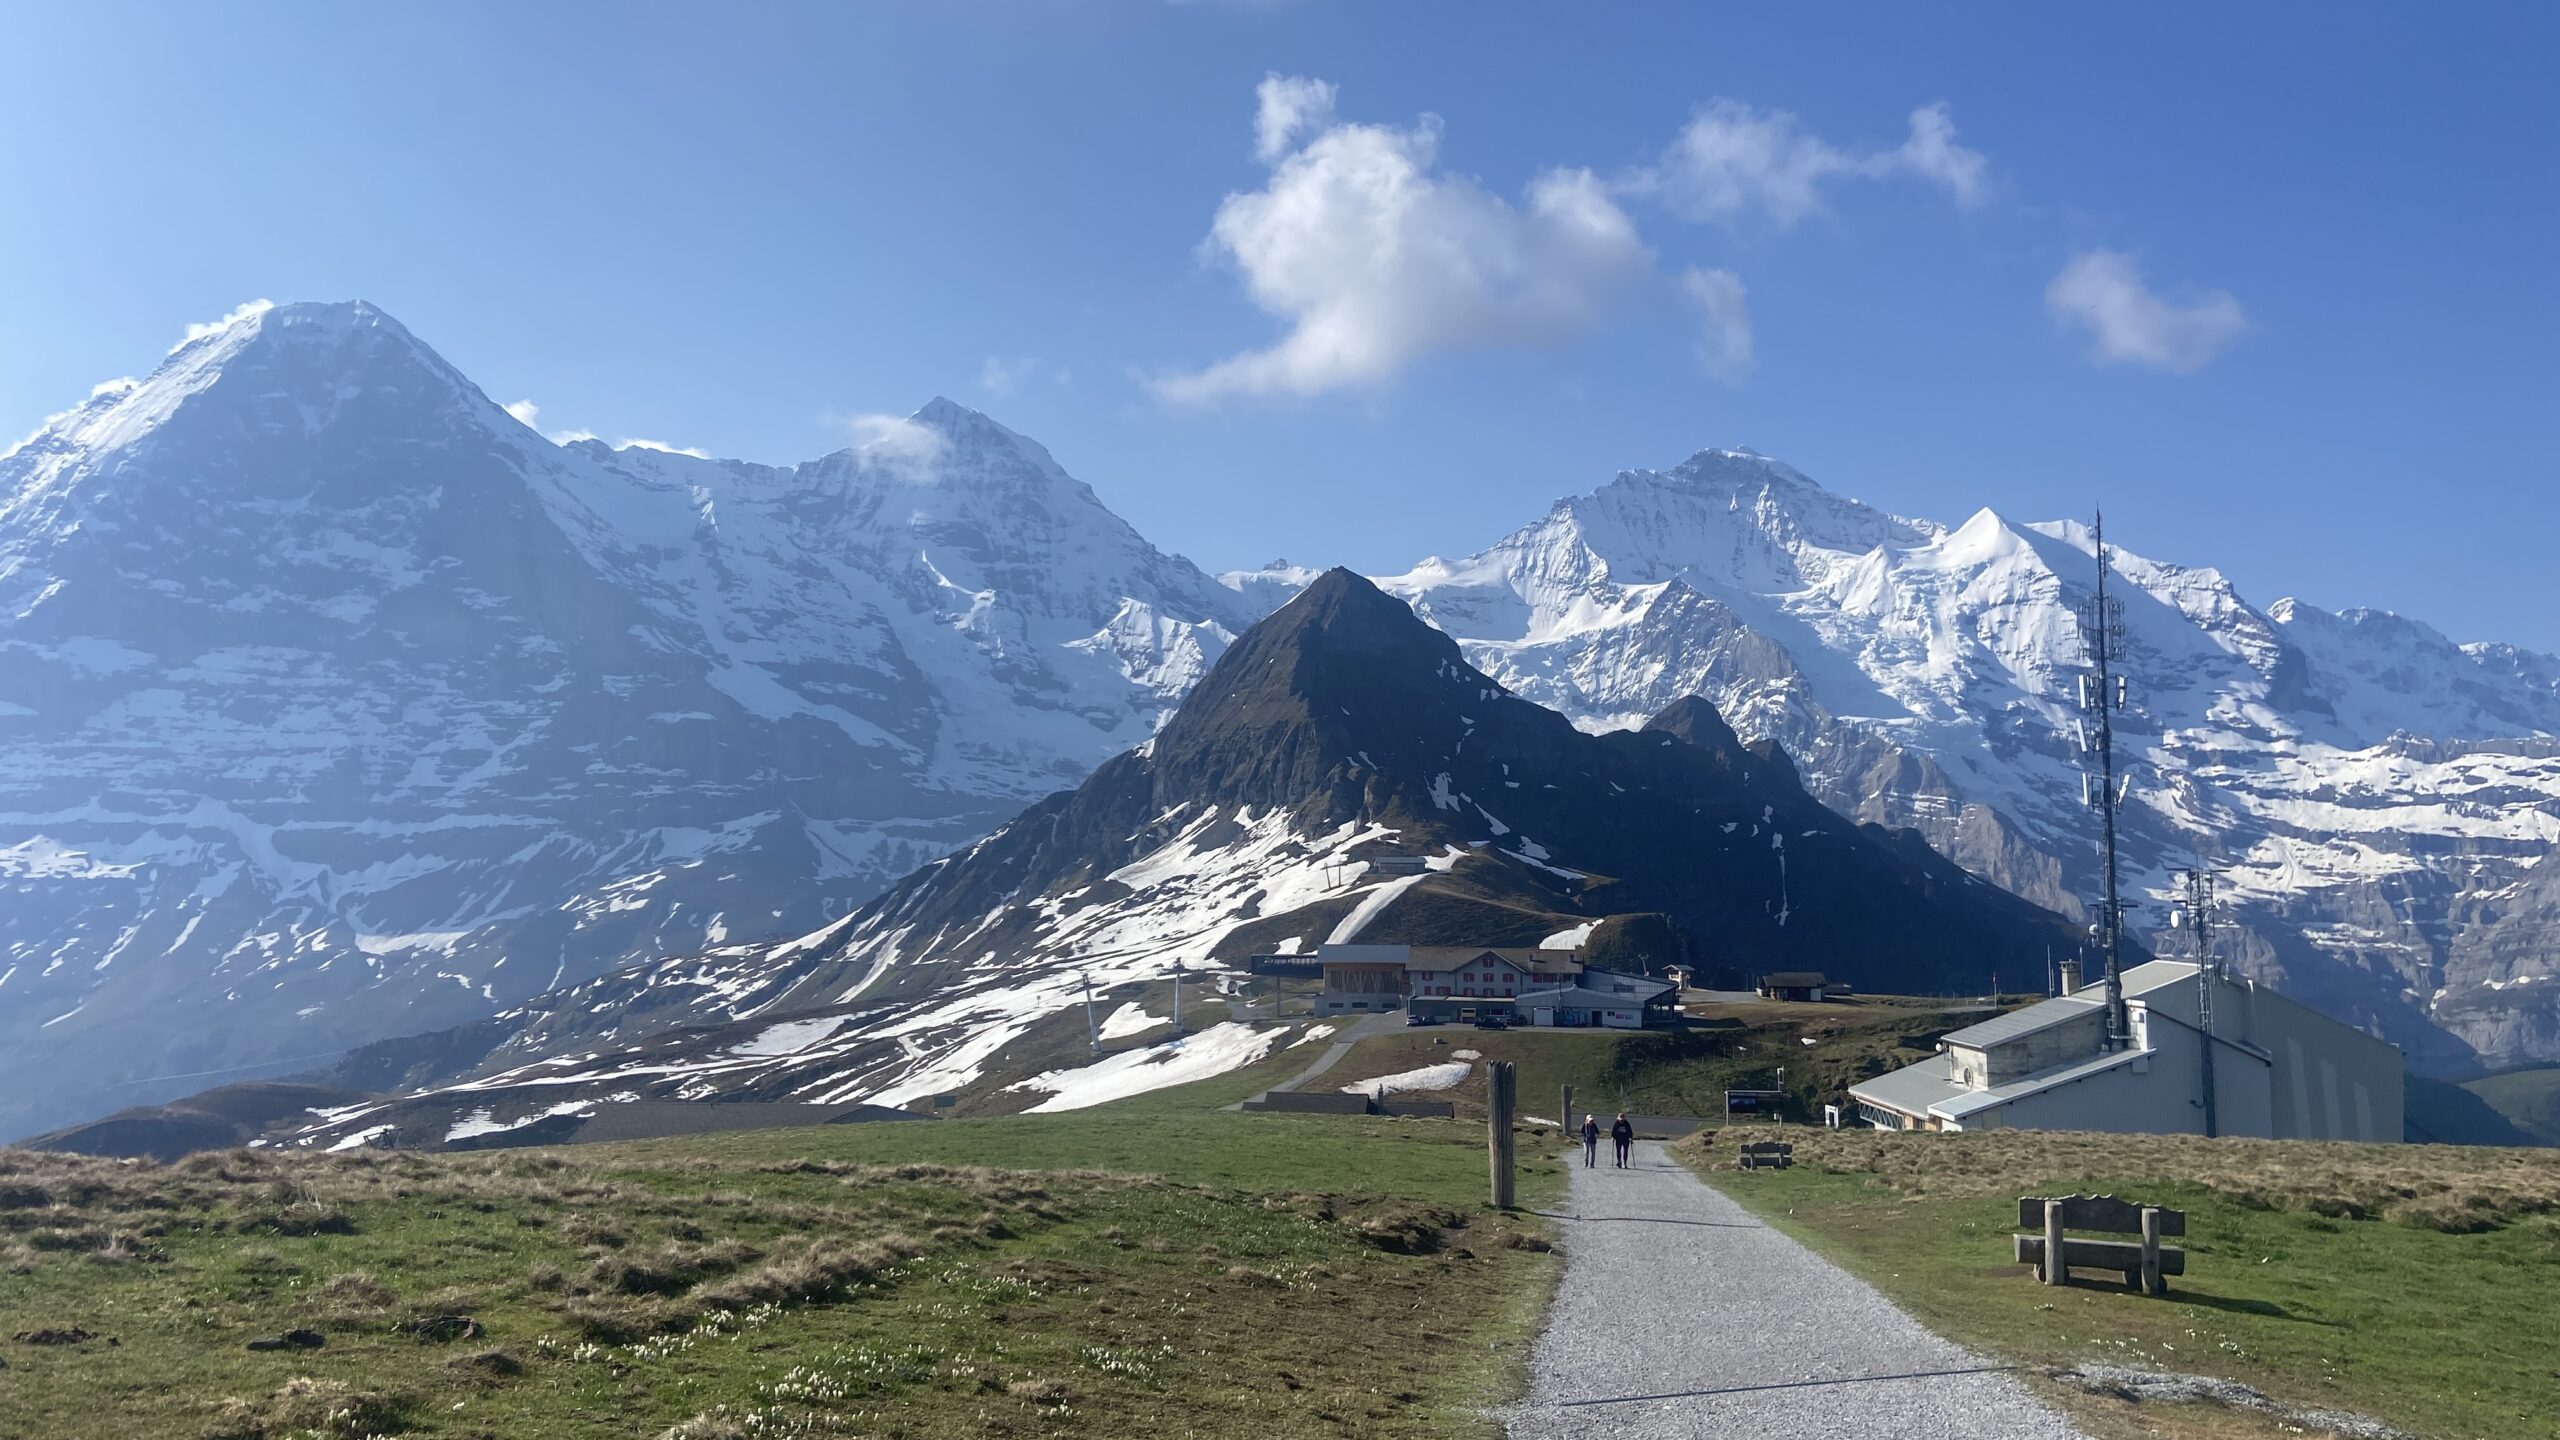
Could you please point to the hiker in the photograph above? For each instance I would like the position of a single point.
(1624, 1132)
(1590, 1142)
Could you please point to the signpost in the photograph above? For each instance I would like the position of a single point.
(1753, 1105)
(1501, 1079)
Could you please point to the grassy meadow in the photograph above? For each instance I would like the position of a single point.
(1159, 1267)
(2414, 1284)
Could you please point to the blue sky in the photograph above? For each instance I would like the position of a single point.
(2274, 283)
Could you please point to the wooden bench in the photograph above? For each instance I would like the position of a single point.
(1767, 1155)
(2142, 1262)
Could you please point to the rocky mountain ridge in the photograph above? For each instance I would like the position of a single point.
(340, 705)
(1338, 732)
(2382, 798)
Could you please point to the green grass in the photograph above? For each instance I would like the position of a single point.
(1439, 1161)
(2445, 1334)
(1155, 1268)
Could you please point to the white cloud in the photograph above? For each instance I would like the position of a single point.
(117, 386)
(2103, 292)
(198, 332)
(664, 448)
(1287, 107)
(1933, 154)
(1000, 376)
(1731, 161)
(1376, 258)
(1724, 335)
(897, 442)
(528, 414)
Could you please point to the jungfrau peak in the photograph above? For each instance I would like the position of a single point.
(338, 704)
(2383, 796)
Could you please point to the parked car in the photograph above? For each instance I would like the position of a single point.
(1420, 1020)
(1492, 1022)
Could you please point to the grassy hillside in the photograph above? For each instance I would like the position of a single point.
(2412, 1283)
(2529, 1099)
(1161, 1268)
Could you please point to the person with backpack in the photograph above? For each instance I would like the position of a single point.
(1624, 1133)
(1590, 1142)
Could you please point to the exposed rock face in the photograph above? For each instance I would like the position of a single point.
(2382, 797)
(1338, 730)
(335, 704)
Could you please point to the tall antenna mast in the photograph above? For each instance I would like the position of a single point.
(2101, 695)
(2199, 882)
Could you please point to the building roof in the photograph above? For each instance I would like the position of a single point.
(1624, 982)
(1930, 1088)
(2062, 1009)
(1451, 957)
(2043, 1015)
(1970, 1102)
(1599, 990)
(1913, 1088)
(2153, 975)
(1794, 979)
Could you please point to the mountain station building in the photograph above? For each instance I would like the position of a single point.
(2280, 1070)
(1466, 983)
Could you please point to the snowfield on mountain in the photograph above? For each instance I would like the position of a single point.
(340, 705)
(2382, 798)
(348, 723)
(1339, 731)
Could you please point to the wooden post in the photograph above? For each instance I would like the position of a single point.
(2055, 1272)
(2152, 1284)
(1500, 1079)
(1564, 1116)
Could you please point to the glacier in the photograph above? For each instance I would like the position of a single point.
(2381, 798)
(336, 703)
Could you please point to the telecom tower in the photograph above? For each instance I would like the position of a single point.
(2198, 915)
(2102, 694)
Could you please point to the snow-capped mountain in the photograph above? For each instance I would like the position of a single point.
(336, 704)
(2382, 797)
(1337, 733)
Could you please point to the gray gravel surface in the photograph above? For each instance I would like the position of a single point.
(1347, 1033)
(1681, 1315)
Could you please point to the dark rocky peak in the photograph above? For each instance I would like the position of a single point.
(1343, 675)
(1696, 721)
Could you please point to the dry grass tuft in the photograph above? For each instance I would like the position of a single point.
(672, 1269)
(355, 1293)
(707, 1426)
(1036, 1391)
(2460, 1189)
(307, 1407)
(809, 1271)
(1403, 1229)
(487, 1366)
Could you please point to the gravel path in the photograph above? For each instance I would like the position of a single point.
(1682, 1316)
(1349, 1031)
